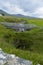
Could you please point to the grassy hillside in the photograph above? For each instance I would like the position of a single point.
(11, 19)
(36, 21)
(27, 45)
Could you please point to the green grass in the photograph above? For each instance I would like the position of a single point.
(11, 19)
(36, 21)
(34, 38)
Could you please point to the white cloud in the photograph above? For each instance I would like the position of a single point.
(38, 12)
(26, 7)
(14, 9)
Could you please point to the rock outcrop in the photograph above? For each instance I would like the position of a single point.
(19, 26)
(10, 59)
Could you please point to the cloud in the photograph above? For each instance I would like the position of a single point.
(13, 9)
(26, 7)
(38, 12)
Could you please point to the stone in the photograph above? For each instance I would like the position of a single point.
(10, 59)
(1, 56)
(1, 62)
(19, 26)
(12, 56)
(38, 64)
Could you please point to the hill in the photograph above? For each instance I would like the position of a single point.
(3, 13)
(6, 14)
(28, 44)
(17, 15)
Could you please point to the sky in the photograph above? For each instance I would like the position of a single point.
(33, 8)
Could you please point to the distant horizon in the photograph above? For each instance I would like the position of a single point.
(33, 8)
(20, 14)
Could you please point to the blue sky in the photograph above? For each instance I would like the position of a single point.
(32, 8)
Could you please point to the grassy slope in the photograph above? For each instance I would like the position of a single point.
(10, 19)
(36, 36)
(36, 21)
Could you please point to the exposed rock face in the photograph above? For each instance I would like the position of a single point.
(19, 26)
(10, 59)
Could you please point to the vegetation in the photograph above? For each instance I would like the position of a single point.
(11, 19)
(36, 21)
(27, 45)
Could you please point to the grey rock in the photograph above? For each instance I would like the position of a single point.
(38, 64)
(10, 59)
(19, 26)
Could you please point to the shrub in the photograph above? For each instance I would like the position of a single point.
(23, 42)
